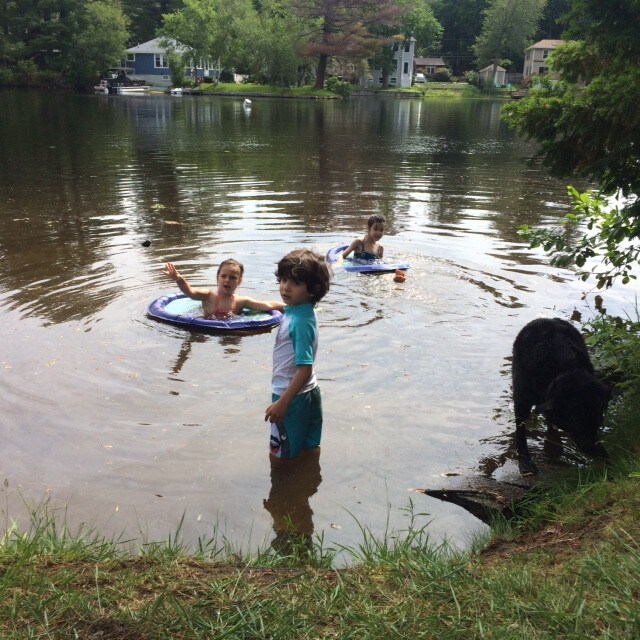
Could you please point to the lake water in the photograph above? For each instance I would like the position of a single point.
(133, 426)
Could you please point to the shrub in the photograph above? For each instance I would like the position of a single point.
(7, 78)
(473, 78)
(26, 71)
(442, 75)
(335, 85)
(615, 345)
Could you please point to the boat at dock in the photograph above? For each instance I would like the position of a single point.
(120, 81)
(126, 89)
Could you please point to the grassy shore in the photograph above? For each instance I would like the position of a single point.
(428, 90)
(568, 566)
(230, 88)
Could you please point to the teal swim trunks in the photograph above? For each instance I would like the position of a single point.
(302, 428)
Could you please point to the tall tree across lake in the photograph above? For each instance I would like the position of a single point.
(420, 23)
(345, 29)
(507, 28)
(553, 21)
(461, 21)
(145, 17)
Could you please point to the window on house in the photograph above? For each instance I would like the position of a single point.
(406, 67)
(131, 57)
(431, 70)
(407, 46)
(160, 61)
(545, 54)
(395, 46)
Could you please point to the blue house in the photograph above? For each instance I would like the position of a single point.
(149, 62)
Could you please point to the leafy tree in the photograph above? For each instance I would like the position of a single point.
(386, 62)
(210, 30)
(461, 21)
(507, 27)
(177, 65)
(98, 43)
(588, 126)
(420, 22)
(344, 28)
(145, 16)
(71, 40)
(271, 47)
(552, 22)
(195, 27)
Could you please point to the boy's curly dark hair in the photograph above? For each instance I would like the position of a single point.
(303, 265)
(376, 217)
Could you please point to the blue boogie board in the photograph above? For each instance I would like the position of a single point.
(364, 266)
(182, 311)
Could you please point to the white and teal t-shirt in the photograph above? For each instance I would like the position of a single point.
(296, 345)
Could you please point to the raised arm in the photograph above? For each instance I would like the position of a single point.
(192, 292)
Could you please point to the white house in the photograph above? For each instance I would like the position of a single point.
(487, 76)
(149, 61)
(535, 58)
(402, 74)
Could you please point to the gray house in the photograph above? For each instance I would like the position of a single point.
(149, 61)
(535, 58)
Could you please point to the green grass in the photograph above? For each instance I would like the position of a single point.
(266, 90)
(567, 567)
(429, 90)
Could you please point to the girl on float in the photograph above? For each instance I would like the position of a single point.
(223, 303)
(369, 247)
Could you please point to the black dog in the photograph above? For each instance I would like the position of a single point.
(552, 371)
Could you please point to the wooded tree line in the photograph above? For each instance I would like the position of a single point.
(276, 41)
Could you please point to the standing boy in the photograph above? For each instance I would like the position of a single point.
(296, 409)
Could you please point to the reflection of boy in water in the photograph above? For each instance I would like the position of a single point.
(293, 482)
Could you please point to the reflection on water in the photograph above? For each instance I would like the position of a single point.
(184, 173)
(293, 482)
(185, 349)
(105, 409)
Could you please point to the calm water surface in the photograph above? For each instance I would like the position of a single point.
(130, 425)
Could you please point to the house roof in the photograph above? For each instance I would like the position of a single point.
(490, 67)
(432, 62)
(546, 44)
(152, 46)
